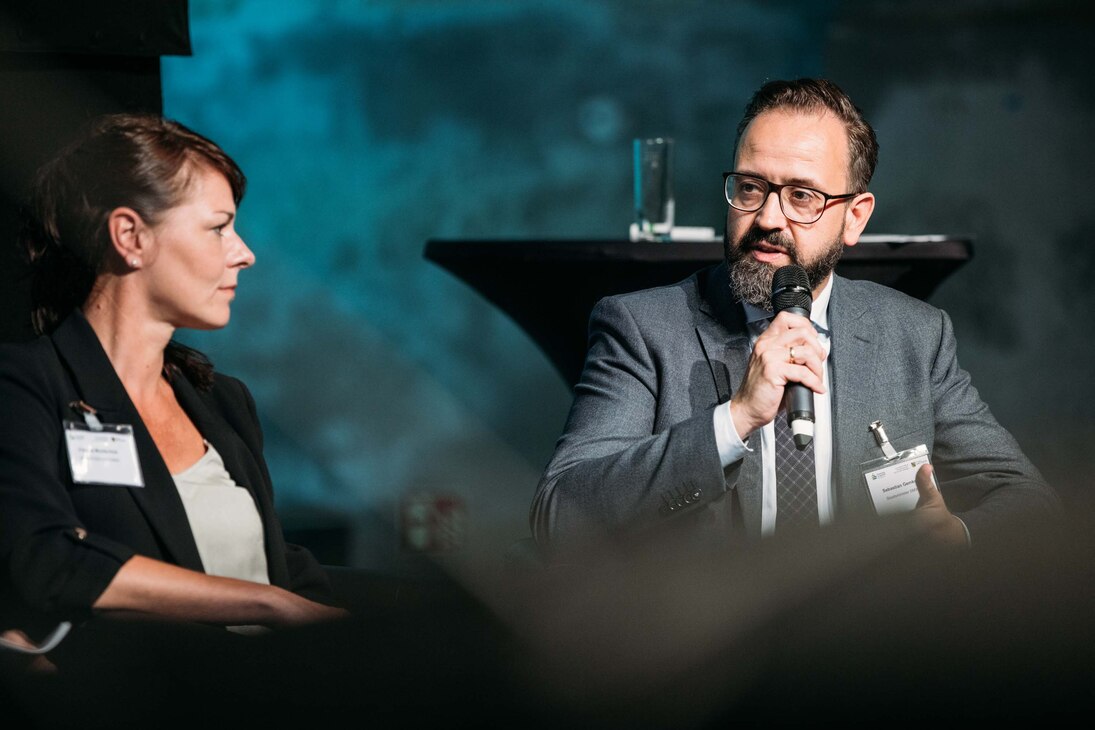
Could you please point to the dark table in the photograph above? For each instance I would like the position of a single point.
(550, 287)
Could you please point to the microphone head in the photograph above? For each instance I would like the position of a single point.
(791, 289)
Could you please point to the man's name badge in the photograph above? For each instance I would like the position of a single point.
(891, 480)
(104, 455)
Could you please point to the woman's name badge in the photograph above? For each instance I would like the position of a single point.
(891, 480)
(102, 453)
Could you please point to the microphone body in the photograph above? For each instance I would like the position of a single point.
(791, 293)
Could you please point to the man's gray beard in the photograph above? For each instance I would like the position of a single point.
(751, 280)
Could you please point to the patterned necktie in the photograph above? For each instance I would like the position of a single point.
(796, 482)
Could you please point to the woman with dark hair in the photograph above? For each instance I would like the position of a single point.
(132, 479)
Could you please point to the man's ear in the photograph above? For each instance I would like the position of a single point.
(128, 236)
(856, 216)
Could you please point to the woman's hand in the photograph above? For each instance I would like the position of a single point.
(294, 610)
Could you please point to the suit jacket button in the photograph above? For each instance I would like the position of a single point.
(696, 494)
(80, 533)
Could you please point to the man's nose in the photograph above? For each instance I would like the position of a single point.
(770, 216)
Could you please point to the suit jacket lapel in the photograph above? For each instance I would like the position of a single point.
(724, 335)
(854, 341)
(98, 385)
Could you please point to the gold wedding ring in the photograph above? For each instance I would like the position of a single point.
(792, 353)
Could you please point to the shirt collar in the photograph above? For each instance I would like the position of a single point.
(819, 313)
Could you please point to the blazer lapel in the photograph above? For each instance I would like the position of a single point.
(853, 351)
(241, 465)
(237, 459)
(98, 385)
(723, 333)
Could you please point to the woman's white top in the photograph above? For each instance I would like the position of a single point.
(223, 517)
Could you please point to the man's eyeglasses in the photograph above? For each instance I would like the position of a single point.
(799, 204)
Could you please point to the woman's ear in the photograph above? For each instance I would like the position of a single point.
(126, 228)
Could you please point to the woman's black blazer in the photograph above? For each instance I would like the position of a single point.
(61, 543)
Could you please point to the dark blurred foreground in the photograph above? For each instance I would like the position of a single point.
(864, 623)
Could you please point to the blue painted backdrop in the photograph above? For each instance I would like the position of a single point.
(368, 127)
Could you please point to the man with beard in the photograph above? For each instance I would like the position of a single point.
(677, 417)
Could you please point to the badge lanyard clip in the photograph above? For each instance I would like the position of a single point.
(882, 440)
(90, 414)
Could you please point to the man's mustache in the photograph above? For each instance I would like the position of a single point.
(755, 236)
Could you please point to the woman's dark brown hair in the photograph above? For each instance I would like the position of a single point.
(141, 162)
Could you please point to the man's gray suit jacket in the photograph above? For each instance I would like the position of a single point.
(639, 445)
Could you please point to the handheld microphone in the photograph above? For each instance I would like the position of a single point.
(791, 293)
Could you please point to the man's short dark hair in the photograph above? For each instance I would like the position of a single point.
(816, 95)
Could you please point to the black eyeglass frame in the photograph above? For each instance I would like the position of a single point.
(774, 188)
